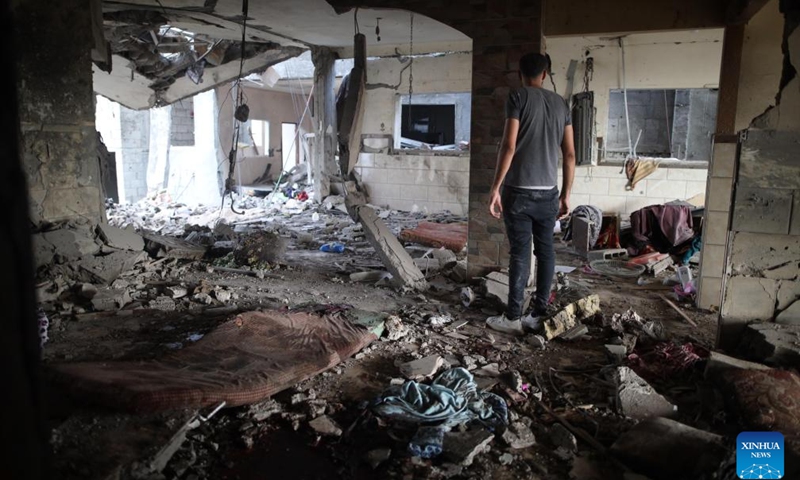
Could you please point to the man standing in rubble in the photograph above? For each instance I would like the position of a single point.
(537, 124)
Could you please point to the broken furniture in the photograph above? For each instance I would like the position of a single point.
(452, 236)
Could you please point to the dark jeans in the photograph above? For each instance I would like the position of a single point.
(530, 213)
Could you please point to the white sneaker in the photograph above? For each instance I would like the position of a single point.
(532, 322)
(503, 324)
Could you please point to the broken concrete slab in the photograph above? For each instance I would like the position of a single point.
(462, 447)
(518, 436)
(653, 446)
(772, 343)
(176, 291)
(124, 239)
(791, 315)
(568, 317)
(575, 332)
(325, 425)
(617, 353)
(108, 299)
(423, 368)
(161, 246)
(637, 399)
(105, 269)
(446, 258)
(72, 243)
(581, 234)
(369, 277)
(395, 328)
(719, 363)
(496, 285)
(399, 263)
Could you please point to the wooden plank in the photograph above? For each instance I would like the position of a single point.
(677, 309)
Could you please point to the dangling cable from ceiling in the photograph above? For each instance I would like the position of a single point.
(411, 72)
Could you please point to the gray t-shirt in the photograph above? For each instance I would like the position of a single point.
(542, 116)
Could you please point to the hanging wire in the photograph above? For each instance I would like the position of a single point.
(355, 18)
(669, 130)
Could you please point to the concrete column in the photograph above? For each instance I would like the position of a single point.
(323, 156)
(56, 99)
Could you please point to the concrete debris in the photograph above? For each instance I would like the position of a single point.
(658, 267)
(496, 287)
(581, 235)
(376, 457)
(422, 368)
(772, 343)
(440, 320)
(537, 341)
(69, 243)
(568, 317)
(459, 272)
(617, 353)
(203, 298)
(719, 363)
(561, 437)
(324, 425)
(315, 408)
(222, 295)
(108, 299)
(176, 291)
(791, 315)
(263, 410)
(653, 446)
(506, 459)
(395, 328)
(462, 447)
(519, 435)
(124, 239)
(427, 265)
(490, 370)
(637, 399)
(628, 321)
(446, 258)
(609, 254)
(575, 333)
(165, 304)
(87, 290)
(104, 269)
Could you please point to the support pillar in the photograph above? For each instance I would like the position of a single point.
(323, 155)
(56, 98)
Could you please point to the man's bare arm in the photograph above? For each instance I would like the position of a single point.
(568, 154)
(508, 147)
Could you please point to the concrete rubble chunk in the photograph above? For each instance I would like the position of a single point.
(790, 316)
(165, 304)
(575, 332)
(496, 286)
(653, 447)
(506, 459)
(176, 291)
(376, 457)
(570, 315)
(423, 368)
(462, 447)
(617, 353)
(108, 299)
(124, 239)
(562, 437)
(264, 410)
(719, 363)
(324, 425)
(446, 258)
(394, 257)
(72, 244)
(518, 436)
(536, 341)
(105, 269)
(772, 343)
(87, 290)
(369, 277)
(637, 399)
(395, 328)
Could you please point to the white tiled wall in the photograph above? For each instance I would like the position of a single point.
(604, 187)
(416, 182)
(436, 183)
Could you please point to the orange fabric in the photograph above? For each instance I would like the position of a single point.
(245, 360)
(449, 235)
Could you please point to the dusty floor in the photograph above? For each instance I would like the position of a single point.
(93, 443)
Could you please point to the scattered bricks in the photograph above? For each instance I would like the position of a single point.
(324, 425)
(637, 399)
(518, 436)
(563, 438)
(568, 317)
(422, 368)
(719, 363)
(609, 254)
(462, 447)
(665, 449)
(658, 267)
(772, 343)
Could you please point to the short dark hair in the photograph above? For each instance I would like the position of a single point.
(532, 65)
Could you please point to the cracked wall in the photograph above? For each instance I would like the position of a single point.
(57, 109)
(763, 258)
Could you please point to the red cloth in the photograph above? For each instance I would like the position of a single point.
(663, 226)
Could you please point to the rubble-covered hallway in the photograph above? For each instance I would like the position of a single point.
(300, 256)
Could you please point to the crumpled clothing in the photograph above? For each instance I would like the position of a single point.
(427, 442)
(663, 226)
(451, 399)
(595, 217)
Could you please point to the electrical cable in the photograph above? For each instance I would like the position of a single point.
(625, 98)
